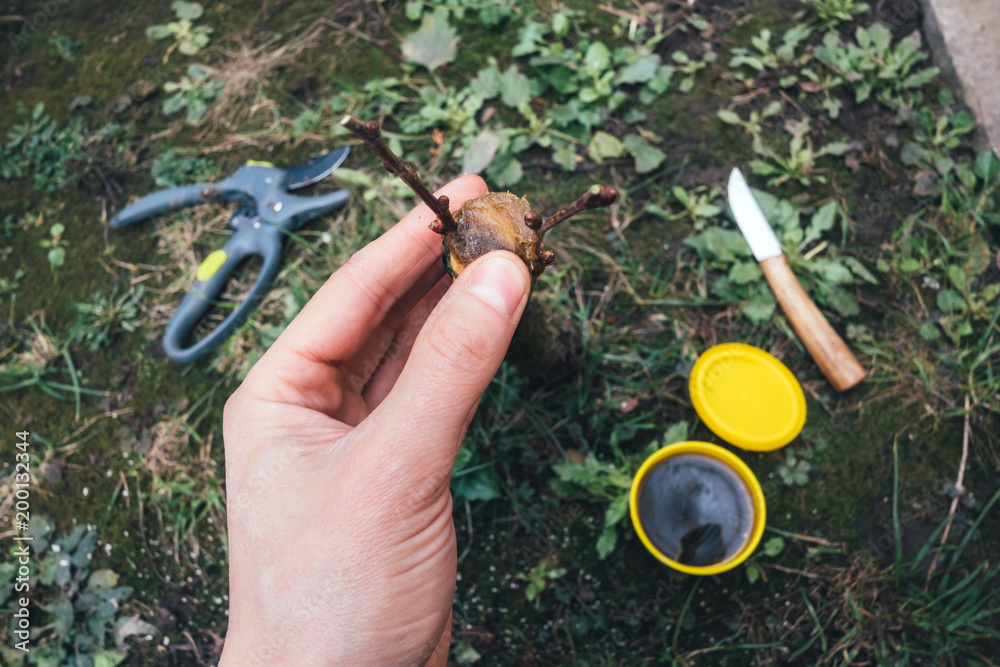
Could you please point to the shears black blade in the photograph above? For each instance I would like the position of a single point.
(315, 168)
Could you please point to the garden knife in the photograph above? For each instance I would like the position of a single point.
(831, 354)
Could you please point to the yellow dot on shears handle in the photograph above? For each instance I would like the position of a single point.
(211, 264)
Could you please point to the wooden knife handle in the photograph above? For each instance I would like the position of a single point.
(831, 354)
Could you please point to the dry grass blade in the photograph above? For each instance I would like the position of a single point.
(959, 490)
(245, 70)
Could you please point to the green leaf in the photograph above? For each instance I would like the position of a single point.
(987, 166)
(725, 245)
(468, 655)
(63, 621)
(647, 158)
(84, 551)
(957, 277)
(929, 331)
(822, 220)
(109, 658)
(482, 484)
(434, 44)
(962, 123)
(576, 473)
(560, 24)
(564, 155)
(839, 299)
(909, 265)
(616, 510)
(760, 308)
(191, 46)
(606, 542)
(774, 546)
(56, 230)
(880, 36)
(950, 301)
(192, 11)
(515, 88)
(742, 273)
(480, 152)
(57, 256)
(659, 211)
(860, 270)
(603, 146)
(676, 432)
(634, 115)
(157, 32)
(753, 574)
(792, 238)
(486, 85)
(529, 36)
(706, 210)
(640, 71)
(727, 116)
(101, 581)
(505, 172)
(195, 112)
(174, 103)
(596, 60)
(831, 271)
(834, 148)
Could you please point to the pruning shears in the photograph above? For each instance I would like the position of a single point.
(267, 212)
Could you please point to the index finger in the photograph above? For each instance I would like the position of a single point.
(341, 316)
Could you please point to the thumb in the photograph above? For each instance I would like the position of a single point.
(454, 357)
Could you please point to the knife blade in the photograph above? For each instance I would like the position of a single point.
(827, 348)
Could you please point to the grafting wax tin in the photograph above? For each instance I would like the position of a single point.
(697, 507)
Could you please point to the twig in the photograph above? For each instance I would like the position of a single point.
(107, 187)
(596, 197)
(959, 490)
(380, 43)
(387, 22)
(194, 647)
(621, 13)
(370, 133)
(788, 570)
(808, 538)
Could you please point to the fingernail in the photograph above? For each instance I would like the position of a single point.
(500, 283)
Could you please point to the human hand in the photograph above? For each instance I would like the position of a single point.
(339, 450)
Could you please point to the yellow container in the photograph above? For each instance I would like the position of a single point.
(697, 507)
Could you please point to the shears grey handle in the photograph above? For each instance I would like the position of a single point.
(161, 202)
(210, 280)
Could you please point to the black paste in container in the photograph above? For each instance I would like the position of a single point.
(696, 510)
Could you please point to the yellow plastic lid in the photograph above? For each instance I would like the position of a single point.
(747, 397)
